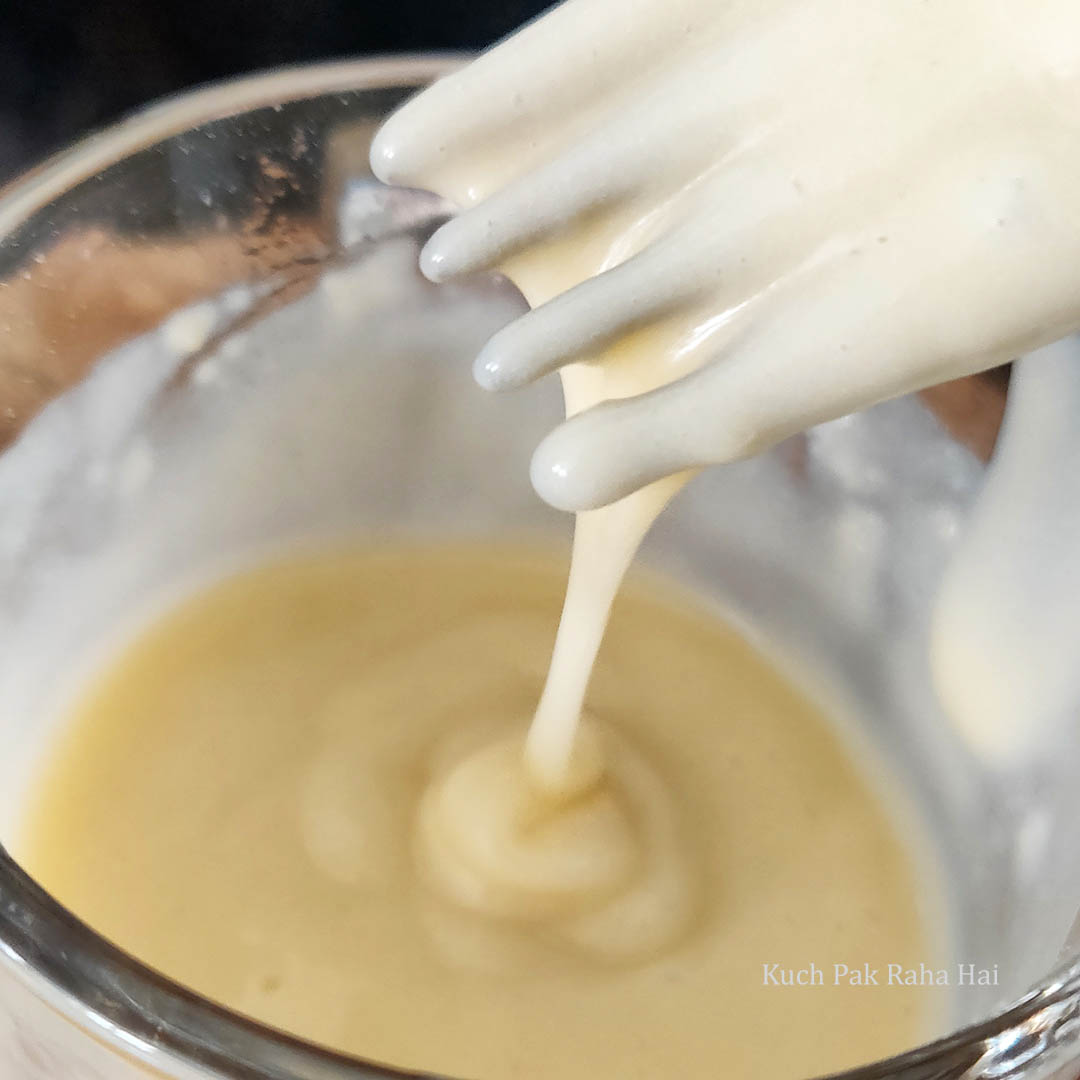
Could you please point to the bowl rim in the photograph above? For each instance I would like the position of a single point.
(140, 1013)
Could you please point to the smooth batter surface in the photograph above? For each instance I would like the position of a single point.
(241, 798)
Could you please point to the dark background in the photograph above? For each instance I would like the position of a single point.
(68, 66)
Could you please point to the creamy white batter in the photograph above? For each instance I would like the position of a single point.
(733, 221)
(1006, 658)
(818, 204)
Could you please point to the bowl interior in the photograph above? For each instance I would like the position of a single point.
(201, 360)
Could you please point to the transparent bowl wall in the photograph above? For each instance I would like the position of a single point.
(829, 548)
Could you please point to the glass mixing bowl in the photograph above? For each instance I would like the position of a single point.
(223, 205)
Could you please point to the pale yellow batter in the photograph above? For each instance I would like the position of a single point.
(245, 800)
